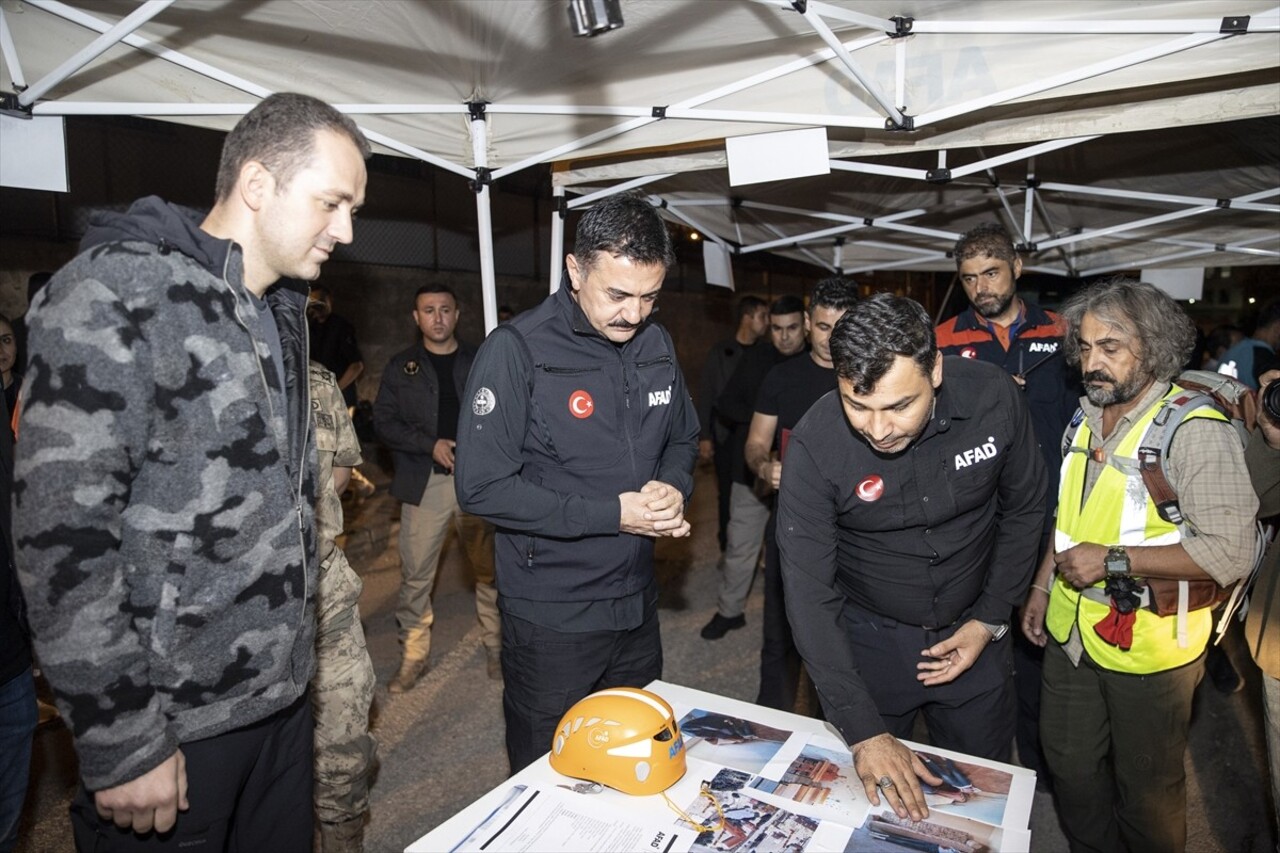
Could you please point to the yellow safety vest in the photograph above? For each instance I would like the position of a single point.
(1111, 517)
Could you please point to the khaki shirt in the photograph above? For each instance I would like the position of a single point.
(336, 446)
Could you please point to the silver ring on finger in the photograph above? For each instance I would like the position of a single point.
(885, 782)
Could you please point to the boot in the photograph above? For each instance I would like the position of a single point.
(410, 672)
(344, 837)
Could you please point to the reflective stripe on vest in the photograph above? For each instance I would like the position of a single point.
(1119, 512)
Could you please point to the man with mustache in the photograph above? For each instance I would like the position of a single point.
(1118, 676)
(1025, 340)
(908, 525)
(578, 440)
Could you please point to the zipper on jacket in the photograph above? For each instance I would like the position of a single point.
(566, 371)
(528, 552)
(306, 399)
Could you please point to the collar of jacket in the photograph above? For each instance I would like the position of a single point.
(578, 321)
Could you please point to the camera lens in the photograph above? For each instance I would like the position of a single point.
(1271, 401)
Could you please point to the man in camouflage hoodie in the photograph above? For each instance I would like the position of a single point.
(164, 487)
(342, 689)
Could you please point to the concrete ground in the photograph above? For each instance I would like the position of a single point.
(442, 745)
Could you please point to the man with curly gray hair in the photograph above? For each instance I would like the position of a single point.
(1120, 668)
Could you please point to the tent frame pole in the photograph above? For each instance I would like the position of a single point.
(93, 50)
(557, 236)
(484, 220)
(9, 52)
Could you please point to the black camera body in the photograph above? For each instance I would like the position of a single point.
(1269, 401)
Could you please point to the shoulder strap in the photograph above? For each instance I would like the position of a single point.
(1155, 450)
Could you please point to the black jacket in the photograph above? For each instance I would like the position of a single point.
(406, 414)
(557, 421)
(947, 530)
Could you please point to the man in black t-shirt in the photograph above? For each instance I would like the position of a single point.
(416, 416)
(788, 390)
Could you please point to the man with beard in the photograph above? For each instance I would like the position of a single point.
(908, 524)
(1026, 341)
(1119, 677)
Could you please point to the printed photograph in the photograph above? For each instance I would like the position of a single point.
(818, 777)
(734, 821)
(885, 832)
(731, 741)
(968, 790)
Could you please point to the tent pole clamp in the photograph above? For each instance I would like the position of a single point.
(1025, 248)
(1223, 203)
(562, 206)
(1234, 25)
(907, 123)
(938, 176)
(659, 112)
(903, 24)
(10, 106)
(476, 109)
(483, 178)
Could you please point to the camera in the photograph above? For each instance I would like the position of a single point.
(1269, 401)
(1125, 592)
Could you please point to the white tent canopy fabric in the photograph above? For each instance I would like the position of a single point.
(936, 111)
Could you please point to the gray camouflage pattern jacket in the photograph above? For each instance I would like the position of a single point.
(163, 504)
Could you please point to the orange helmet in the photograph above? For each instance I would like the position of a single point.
(622, 737)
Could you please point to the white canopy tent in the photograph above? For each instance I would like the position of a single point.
(1107, 135)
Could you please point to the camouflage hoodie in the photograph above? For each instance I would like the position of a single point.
(163, 506)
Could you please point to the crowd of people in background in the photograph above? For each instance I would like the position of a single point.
(945, 513)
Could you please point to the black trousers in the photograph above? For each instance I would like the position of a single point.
(973, 714)
(545, 672)
(249, 790)
(722, 459)
(779, 659)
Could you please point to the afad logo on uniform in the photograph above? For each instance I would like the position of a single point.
(871, 489)
(1042, 346)
(581, 405)
(977, 454)
(660, 398)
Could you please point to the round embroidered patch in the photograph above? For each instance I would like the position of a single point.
(484, 402)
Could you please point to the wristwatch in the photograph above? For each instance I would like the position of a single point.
(1117, 560)
(997, 629)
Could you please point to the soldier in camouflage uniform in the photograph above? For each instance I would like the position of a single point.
(342, 689)
(164, 494)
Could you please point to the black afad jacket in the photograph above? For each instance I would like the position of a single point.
(557, 421)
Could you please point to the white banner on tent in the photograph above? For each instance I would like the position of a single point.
(34, 153)
(718, 264)
(777, 156)
(1178, 282)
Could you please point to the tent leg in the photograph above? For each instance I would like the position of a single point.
(557, 238)
(484, 222)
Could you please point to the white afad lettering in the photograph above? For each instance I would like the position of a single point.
(660, 398)
(1043, 346)
(977, 454)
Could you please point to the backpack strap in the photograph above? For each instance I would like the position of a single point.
(1155, 450)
